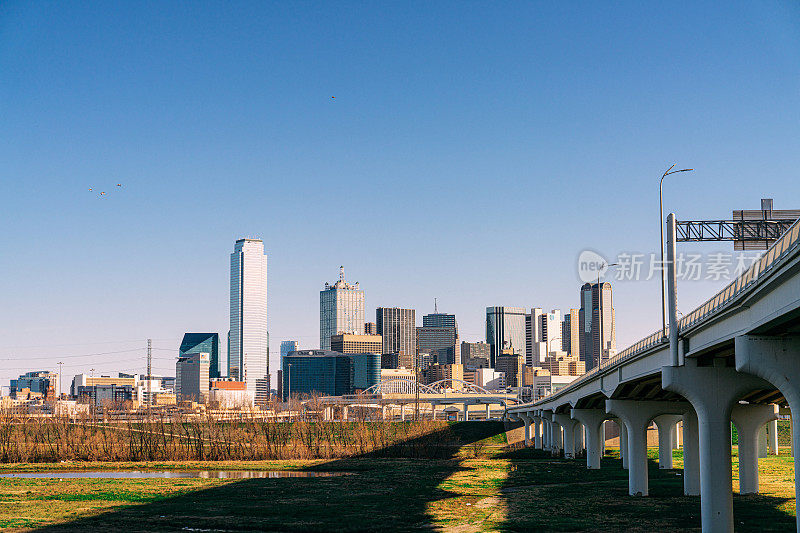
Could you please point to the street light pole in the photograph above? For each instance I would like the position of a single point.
(661, 229)
(60, 376)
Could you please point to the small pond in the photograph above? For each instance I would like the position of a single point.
(166, 474)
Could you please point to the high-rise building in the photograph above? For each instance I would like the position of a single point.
(248, 356)
(370, 328)
(512, 365)
(438, 336)
(475, 355)
(533, 337)
(505, 329)
(286, 347)
(341, 310)
(191, 376)
(570, 339)
(596, 314)
(398, 329)
(453, 373)
(551, 332)
(347, 343)
(41, 382)
(203, 342)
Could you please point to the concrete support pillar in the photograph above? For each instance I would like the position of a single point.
(547, 427)
(592, 420)
(344, 412)
(537, 432)
(691, 454)
(488, 411)
(623, 443)
(713, 392)
(772, 433)
(603, 440)
(667, 428)
(568, 424)
(466, 411)
(579, 440)
(636, 415)
(763, 437)
(558, 442)
(777, 360)
(749, 419)
(403, 412)
(527, 420)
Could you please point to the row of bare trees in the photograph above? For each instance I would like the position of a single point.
(198, 438)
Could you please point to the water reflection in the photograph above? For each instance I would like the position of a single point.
(207, 474)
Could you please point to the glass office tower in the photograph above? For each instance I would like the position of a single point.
(248, 357)
(341, 310)
(505, 329)
(203, 343)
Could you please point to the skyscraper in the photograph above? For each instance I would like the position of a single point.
(505, 329)
(248, 357)
(341, 310)
(570, 339)
(550, 333)
(205, 343)
(398, 329)
(438, 336)
(289, 346)
(191, 376)
(595, 298)
(534, 352)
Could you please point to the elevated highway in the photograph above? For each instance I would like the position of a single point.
(736, 358)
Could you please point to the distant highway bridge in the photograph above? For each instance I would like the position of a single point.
(736, 358)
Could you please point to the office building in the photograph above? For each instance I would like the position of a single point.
(85, 380)
(341, 310)
(533, 335)
(370, 328)
(226, 394)
(596, 317)
(248, 355)
(453, 374)
(191, 377)
(323, 372)
(39, 383)
(490, 379)
(205, 343)
(106, 395)
(550, 333)
(366, 371)
(505, 330)
(289, 346)
(440, 320)
(441, 342)
(349, 343)
(512, 365)
(570, 339)
(562, 364)
(475, 355)
(286, 347)
(397, 328)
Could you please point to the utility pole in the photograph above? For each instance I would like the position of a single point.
(149, 368)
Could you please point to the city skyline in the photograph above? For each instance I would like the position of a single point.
(183, 118)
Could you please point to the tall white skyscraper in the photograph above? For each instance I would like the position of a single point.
(248, 357)
(341, 310)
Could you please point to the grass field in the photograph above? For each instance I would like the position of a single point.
(476, 489)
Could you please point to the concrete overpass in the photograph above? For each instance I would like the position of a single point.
(736, 358)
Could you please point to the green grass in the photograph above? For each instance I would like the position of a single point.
(503, 490)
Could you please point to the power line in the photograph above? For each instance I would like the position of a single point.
(69, 356)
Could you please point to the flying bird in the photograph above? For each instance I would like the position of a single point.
(90, 189)
(102, 193)
(119, 185)
(333, 97)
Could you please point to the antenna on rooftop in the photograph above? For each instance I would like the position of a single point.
(435, 306)
(341, 273)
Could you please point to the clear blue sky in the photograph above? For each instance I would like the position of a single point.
(471, 152)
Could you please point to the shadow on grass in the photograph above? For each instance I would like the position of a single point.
(551, 494)
(389, 492)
